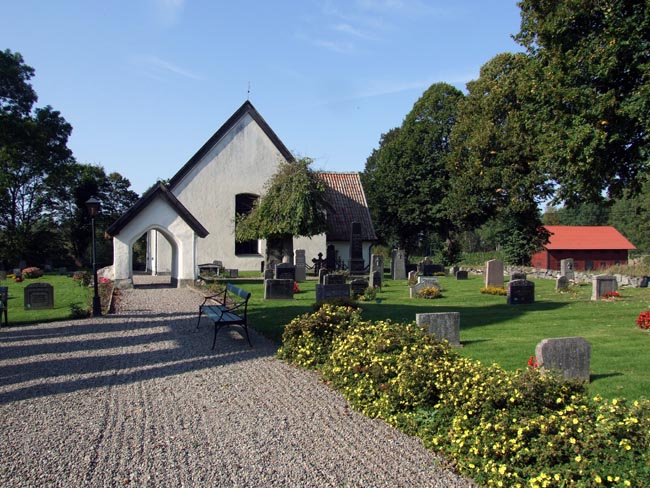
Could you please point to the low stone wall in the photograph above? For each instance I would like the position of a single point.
(551, 274)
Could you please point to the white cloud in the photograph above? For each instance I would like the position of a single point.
(346, 28)
(157, 68)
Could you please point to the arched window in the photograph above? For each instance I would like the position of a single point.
(244, 203)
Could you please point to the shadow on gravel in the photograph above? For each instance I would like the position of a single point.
(38, 361)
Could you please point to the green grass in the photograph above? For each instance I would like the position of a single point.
(494, 332)
(66, 292)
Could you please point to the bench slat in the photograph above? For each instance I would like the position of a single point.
(224, 314)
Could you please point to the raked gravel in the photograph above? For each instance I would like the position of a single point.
(139, 399)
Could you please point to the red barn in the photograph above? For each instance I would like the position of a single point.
(591, 247)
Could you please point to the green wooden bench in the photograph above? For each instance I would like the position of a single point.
(229, 307)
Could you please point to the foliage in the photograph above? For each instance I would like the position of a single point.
(406, 178)
(592, 97)
(369, 294)
(494, 290)
(430, 292)
(34, 158)
(293, 204)
(83, 278)
(307, 340)
(518, 428)
(643, 320)
(32, 272)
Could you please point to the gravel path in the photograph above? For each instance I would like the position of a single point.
(139, 399)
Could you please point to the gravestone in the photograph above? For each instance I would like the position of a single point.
(376, 270)
(285, 271)
(444, 326)
(399, 264)
(301, 265)
(494, 273)
(415, 289)
(39, 296)
(428, 280)
(562, 283)
(268, 274)
(413, 276)
(569, 355)
(453, 270)
(521, 292)
(332, 292)
(330, 257)
(278, 289)
(376, 279)
(231, 273)
(4, 298)
(567, 268)
(356, 264)
(602, 284)
(319, 262)
(429, 269)
(322, 273)
(334, 279)
(3, 274)
(517, 275)
(358, 287)
(461, 274)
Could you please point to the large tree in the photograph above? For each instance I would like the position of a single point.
(592, 92)
(406, 179)
(293, 205)
(493, 164)
(34, 158)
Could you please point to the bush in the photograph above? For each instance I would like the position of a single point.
(501, 428)
(32, 272)
(430, 292)
(369, 294)
(494, 290)
(307, 340)
(82, 277)
(643, 320)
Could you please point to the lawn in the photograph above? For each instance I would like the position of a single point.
(494, 332)
(66, 293)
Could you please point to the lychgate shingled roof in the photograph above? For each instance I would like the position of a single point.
(345, 194)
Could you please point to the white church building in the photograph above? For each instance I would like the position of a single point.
(191, 220)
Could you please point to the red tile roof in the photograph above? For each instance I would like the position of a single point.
(345, 194)
(586, 237)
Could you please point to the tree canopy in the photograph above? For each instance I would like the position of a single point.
(406, 178)
(293, 204)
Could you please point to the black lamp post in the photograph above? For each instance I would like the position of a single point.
(92, 205)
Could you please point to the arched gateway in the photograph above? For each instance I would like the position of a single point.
(161, 211)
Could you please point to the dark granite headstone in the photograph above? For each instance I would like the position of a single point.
(562, 283)
(517, 275)
(301, 265)
(285, 271)
(461, 274)
(268, 274)
(376, 279)
(278, 289)
(334, 279)
(332, 292)
(39, 296)
(330, 257)
(521, 292)
(322, 273)
(428, 269)
(356, 264)
(358, 287)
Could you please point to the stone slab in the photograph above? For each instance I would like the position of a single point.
(571, 356)
(444, 325)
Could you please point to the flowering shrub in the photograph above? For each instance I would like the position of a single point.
(32, 272)
(494, 290)
(430, 292)
(18, 278)
(499, 427)
(611, 294)
(369, 294)
(643, 320)
(296, 287)
(532, 363)
(307, 340)
(104, 281)
(82, 277)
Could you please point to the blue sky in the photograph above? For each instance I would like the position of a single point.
(145, 83)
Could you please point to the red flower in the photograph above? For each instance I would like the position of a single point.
(643, 320)
(532, 363)
(296, 288)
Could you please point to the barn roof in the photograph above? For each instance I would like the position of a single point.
(344, 193)
(586, 237)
